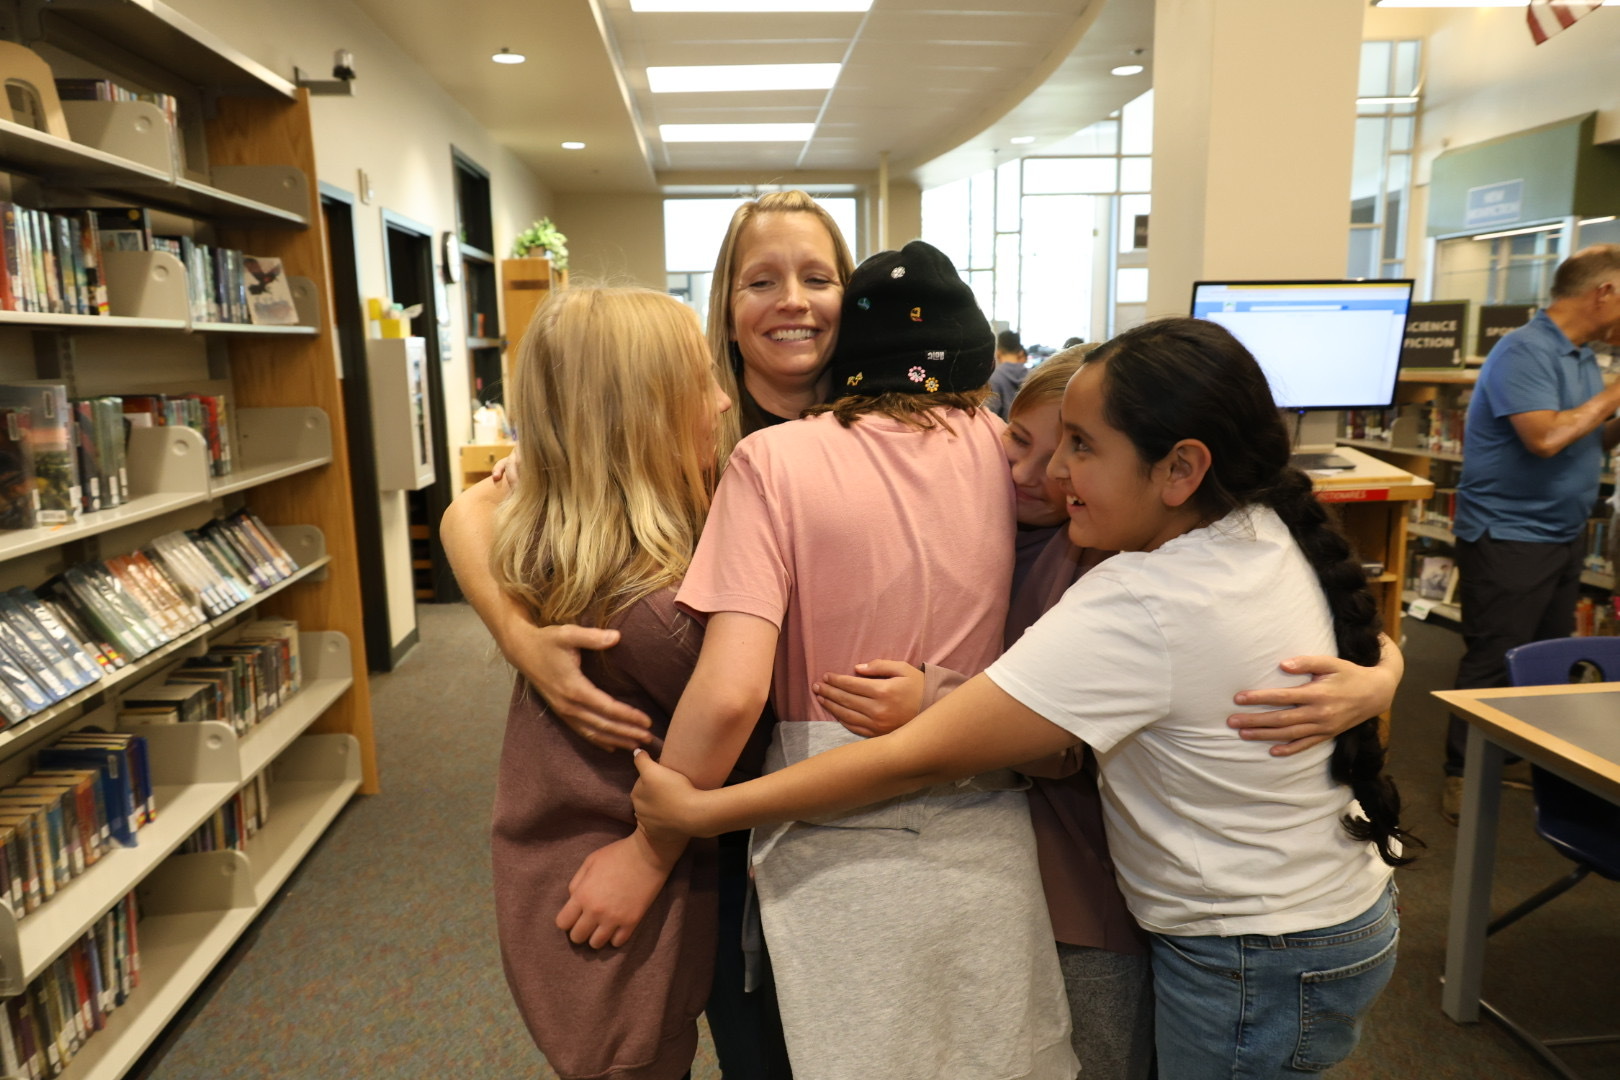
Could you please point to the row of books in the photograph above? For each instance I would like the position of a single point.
(1433, 577)
(52, 261)
(224, 285)
(53, 264)
(240, 683)
(206, 414)
(1594, 619)
(89, 790)
(235, 823)
(1598, 539)
(48, 1024)
(100, 615)
(107, 90)
(1439, 427)
(60, 457)
(1439, 509)
(1368, 424)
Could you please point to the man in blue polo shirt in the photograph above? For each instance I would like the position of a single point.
(1538, 427)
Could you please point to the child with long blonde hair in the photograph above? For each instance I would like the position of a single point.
(615, 400)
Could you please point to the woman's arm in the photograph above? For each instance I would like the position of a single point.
(1340, 696)
(548, 656)
(977, 728)
(718, 710)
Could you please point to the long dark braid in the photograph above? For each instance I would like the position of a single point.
(1176, 379)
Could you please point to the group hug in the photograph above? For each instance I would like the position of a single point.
(906, 743)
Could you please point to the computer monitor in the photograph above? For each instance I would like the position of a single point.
(1322, 344)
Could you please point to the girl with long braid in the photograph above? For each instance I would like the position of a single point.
(1265, 883)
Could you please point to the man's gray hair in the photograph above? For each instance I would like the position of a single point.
(1586, 270)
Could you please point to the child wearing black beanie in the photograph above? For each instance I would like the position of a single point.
(877, 528)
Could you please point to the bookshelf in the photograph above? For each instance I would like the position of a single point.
(1424, 434)
(1371, 501)
(244, 181)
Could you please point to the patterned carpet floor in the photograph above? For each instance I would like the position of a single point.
(379, 959)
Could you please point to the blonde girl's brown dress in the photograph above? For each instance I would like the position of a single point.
(620, 1014)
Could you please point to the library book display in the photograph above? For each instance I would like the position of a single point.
(182, 670)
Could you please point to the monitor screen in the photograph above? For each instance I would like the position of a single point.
(1322, 344)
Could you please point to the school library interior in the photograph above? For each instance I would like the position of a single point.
(316, 727)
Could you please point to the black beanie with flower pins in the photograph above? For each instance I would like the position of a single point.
(910, 325)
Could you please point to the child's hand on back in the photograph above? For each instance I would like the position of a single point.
(611, 892)
(880, 697)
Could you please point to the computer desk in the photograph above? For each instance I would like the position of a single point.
(1573, 731)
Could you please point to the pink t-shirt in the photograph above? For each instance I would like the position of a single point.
(876, 541)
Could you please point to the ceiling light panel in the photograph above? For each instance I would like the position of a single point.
(761, 6)
(710, 79)
(682, 133)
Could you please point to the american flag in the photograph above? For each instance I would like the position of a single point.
(1547, 17)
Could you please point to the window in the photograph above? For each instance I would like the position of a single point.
(1033, 237)
(1381, 172)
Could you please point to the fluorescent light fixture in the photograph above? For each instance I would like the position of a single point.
(1457, 3)
(507, 56)
(707, 79)
(1021, 140)
(750, 5)
(1517, 232)
(573, 146)
(1595, 220)
(1127, 69)
(1409, 99)
(672, 133)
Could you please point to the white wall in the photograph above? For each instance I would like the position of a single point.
(1253, 127)
(398, 127)
(1485, 77)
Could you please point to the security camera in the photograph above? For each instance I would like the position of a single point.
(343, 65)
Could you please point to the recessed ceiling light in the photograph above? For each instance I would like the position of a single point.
(1127, 69)
(736, 132)
(750, 5)
(1021, 140)
(709, 79)
(507, 56)
(573, 146)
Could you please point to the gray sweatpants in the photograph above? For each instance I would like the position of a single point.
(1111, 1003)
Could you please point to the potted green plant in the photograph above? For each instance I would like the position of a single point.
(542, 238)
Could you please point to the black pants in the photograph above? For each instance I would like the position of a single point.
(747, 1027)
(1513, 592)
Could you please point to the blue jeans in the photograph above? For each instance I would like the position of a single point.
(1255, 1006)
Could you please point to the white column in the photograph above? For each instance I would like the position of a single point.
(1253, 131)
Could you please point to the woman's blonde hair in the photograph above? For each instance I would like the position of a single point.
(612, 398)
(1045, 385)
(722, 287)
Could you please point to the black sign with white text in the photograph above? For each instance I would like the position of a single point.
(1498, 320)
(1434, 334)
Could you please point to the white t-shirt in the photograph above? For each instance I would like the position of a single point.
(1211, 834)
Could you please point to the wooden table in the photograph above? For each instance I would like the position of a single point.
(1372, 501)
(1573, 731)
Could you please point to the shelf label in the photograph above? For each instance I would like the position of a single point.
(1419, 609)
(1352, 495)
